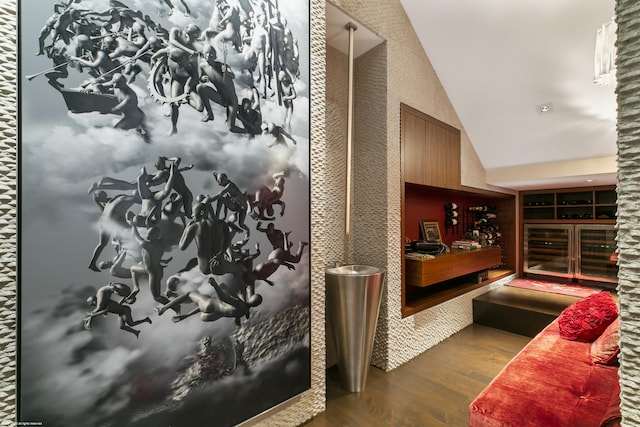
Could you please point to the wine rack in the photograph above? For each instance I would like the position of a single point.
(475, 222)
(597, 204)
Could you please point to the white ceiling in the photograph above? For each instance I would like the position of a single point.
(499, 59)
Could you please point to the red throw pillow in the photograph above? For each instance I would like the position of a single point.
(586, 319)
(604, 349)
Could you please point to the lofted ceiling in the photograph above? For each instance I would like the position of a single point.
(499, 59)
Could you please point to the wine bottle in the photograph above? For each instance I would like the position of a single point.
(452, 214)
(451, 206)
(452, 221)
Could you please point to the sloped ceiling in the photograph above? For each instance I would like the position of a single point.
(499, 59)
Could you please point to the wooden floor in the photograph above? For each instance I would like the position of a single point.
(433, 389)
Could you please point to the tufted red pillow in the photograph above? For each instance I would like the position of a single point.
(604, 349)
(586, 319)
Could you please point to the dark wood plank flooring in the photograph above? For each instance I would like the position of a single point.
(433, 389)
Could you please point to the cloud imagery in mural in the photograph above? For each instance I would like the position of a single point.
(164, 211)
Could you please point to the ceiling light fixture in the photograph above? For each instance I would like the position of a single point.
(605, 55)
(545, 108)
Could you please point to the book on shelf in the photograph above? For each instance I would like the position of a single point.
(418, 255)
(465, 244)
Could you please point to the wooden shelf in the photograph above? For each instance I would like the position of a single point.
(592, 205)
(431, 282)
(428, 202)
(418, 299)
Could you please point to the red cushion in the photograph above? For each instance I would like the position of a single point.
(605, 348)
(586, 319)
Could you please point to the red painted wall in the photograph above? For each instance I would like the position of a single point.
(428, 203)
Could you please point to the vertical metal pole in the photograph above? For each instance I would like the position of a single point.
(347, 220)
(354, 292)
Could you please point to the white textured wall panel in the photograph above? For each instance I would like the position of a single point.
(628, 62)
(336, 153)
(335, 162)
(7, 212)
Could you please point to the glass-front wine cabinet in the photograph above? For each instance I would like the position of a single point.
(596, 253)
(548, 250)
(583, 252)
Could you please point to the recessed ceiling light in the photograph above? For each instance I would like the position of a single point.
(589, 180)
(545, 108)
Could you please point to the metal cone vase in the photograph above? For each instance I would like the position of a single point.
(354, 293)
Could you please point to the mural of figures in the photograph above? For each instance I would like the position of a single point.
(162, 281)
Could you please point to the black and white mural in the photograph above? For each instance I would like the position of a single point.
(163, 211)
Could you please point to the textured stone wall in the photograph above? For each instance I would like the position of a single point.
(335, 161)
(7, 212)
(628, 63)
(335, 158)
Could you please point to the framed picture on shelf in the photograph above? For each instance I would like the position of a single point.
(430, 230)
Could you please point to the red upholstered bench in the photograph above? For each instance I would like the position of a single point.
(554, 382)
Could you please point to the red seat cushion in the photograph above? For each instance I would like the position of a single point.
(613, 416)
(552, 383)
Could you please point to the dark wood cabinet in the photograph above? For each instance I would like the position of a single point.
(430, 150)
